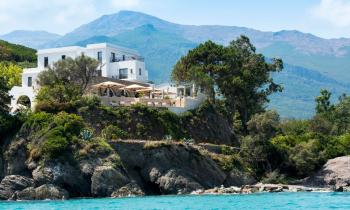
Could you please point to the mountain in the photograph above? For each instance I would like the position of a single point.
(33, 39)
(301, 86)
(16, 53)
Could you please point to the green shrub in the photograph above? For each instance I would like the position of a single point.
(96, 146)
(38, 120)
(55, 143)
(113, 132)
(54, 107)
(71, 123)
(306, 157)
(87, 101)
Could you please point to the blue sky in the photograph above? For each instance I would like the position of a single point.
(325, 18)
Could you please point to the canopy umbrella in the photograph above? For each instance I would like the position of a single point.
(134, 87)
(108, 84)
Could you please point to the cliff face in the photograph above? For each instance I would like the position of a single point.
(165, 168)
(144, 167)
(202, 125)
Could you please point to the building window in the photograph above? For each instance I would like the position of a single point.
(123, 57)
(63, 57)
(30, 81)
(140, 71)
(99, 56)
(99, 73)
(123, 73)
(46, 62)
(112, 57)
(131, 71)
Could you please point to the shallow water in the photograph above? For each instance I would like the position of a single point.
(253, 201)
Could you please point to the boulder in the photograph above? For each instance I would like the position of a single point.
(12, 183)
(47, 191)
(26, 194)
(131, 189)
(174, 182)
(335, 174)
(62, 175)
(106, 179)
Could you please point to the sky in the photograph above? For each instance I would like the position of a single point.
(324, 18)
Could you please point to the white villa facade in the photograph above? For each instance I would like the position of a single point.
(118, 64)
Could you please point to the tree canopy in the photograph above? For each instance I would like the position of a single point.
(240, 75)
(77, 72)
(12, 73)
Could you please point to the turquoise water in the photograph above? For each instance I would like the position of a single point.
(254, 201)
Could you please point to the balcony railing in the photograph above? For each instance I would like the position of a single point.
(114, 60)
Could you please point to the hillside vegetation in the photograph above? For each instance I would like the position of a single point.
(16, 53)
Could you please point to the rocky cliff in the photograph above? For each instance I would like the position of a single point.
(130, 168)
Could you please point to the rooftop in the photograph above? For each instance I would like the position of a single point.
(89, 46)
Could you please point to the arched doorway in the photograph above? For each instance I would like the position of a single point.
(24, 101)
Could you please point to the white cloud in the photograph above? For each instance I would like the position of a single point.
(58, 16)
(337, 12)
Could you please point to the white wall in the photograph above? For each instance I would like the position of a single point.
(133, 67)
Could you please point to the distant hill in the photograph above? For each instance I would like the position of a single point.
(16, 53)
(33, 39)
(301, 86)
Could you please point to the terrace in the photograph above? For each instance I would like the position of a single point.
(117, 94)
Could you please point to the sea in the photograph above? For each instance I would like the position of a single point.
(280, 201)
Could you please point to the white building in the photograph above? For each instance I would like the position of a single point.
(116, 62)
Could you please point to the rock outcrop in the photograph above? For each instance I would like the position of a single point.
(47, 191)
(335, 174)
(131, 189)
(160, 168)
(106, 180)
(12, 183)
(62, 175)
(143, 168)
(238, 177)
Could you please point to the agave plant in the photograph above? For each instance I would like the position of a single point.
(86, 134)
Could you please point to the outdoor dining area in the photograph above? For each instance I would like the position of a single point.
(117, 94)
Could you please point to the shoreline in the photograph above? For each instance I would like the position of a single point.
(260, 188)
